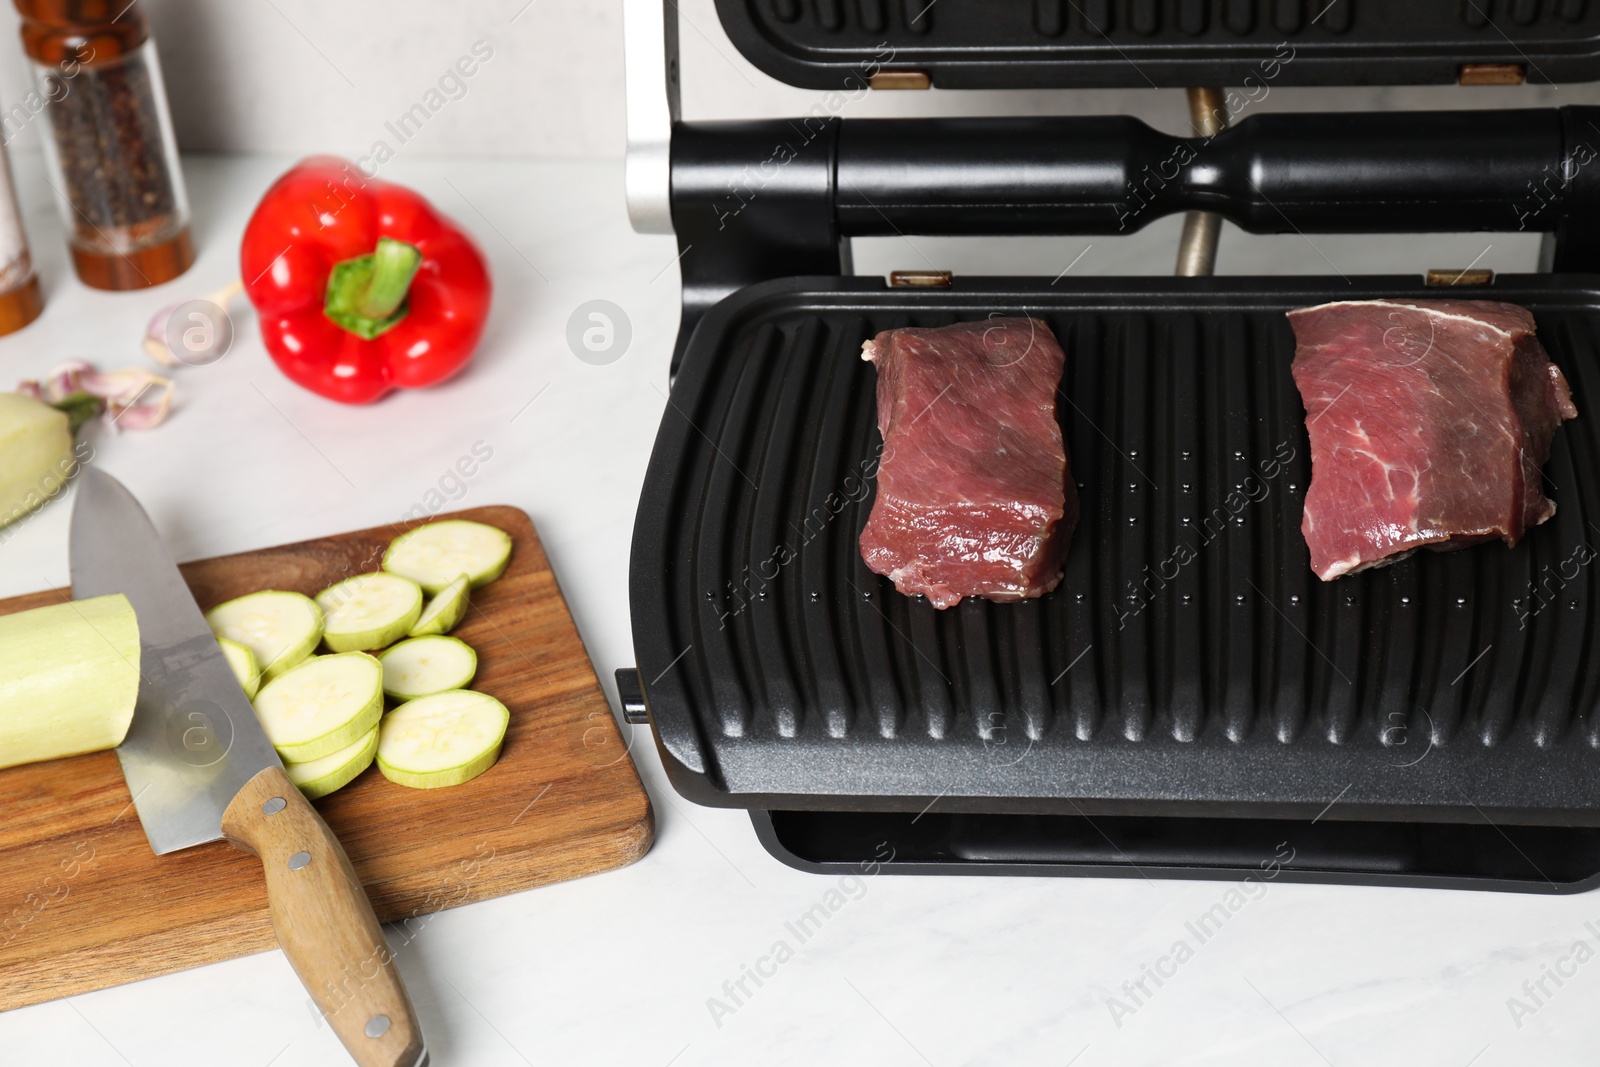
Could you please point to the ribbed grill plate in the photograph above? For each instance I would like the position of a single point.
(980, 44)
(1189, 663)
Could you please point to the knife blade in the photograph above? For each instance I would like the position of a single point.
(195, 740)
(200, 768)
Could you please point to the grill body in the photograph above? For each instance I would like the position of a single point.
(1190, 676)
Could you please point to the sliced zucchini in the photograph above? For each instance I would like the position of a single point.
(435, 554)
(243, 662)
(69, 679)
(447, 608)
(423, 666)
(321, 706)
(369, 611)
(442, 740)
(279, 628)
(319, 777)
(36, 441)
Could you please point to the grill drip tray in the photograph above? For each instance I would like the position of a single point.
(1191, 695)
(1539, 859)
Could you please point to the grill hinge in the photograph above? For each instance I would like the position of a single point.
(1492, 74)
(920, 279)
(900, 79)
(1479, 276)
(631, 693)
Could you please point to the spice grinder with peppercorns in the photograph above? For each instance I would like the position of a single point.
(112, 157)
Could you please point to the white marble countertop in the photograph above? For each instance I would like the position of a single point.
(623, 968)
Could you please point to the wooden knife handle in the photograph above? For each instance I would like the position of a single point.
(325, 922)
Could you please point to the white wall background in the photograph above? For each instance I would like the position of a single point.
(296, 76)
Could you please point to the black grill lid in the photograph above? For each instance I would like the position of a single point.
(780, 673)
(978, 44)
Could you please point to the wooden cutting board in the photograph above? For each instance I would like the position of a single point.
(85, 904)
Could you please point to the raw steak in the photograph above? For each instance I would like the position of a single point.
(1430, 424)
(974, 496)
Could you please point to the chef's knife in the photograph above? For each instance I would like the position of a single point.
(200, 769)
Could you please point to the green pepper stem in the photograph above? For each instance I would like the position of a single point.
(367, 295)
(394, 264)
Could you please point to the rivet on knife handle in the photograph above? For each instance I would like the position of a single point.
(325, 922)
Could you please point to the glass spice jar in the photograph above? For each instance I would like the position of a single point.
(112, 156)
(20, 301)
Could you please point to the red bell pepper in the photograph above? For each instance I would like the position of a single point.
(361, 287)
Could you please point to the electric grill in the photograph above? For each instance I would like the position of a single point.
(1191, 701)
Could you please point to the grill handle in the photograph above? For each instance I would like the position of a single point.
(777, 198)
(1376, 172)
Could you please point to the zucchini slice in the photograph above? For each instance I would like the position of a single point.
(321, 706)
(279, 628)
(319, 777)
(423, 666)
(446, 609)
(369, 611)
(243, 662)
(435, 554)
(442, 740)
